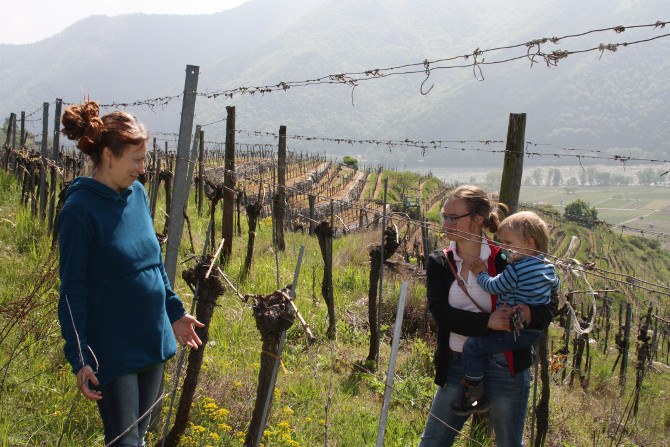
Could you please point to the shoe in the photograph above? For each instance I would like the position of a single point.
(472, 400)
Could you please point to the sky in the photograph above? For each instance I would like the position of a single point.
(28, 21)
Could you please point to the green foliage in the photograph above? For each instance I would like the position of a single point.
(580, 212)
(351, 162)
(43, 391)
(648, 176)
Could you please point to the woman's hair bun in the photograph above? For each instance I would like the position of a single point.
(82, 123)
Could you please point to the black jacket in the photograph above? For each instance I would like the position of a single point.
(472, 324)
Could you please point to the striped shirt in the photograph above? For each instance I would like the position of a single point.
(527, 281)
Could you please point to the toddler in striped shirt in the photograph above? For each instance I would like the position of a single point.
(527, 280)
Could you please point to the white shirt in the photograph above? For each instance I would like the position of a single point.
(458, 298)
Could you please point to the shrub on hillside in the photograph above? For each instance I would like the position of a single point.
(580, 212)
(351, 162)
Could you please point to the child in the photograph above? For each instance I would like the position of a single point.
(527, 279)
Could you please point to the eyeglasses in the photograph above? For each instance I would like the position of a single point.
(451, 219)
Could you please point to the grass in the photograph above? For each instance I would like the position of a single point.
(324, 390)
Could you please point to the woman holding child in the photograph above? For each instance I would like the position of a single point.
(463, 309)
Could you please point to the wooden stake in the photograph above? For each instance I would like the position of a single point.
(513, 164)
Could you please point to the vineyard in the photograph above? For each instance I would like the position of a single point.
(643, 210)
(604, 352)
(308, 273)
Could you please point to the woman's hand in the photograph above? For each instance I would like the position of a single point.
(85, 375)
(499, 319)
(477, 266)
(184, 331)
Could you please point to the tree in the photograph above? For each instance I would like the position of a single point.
(556, 177)
(647, 176)
(537, 176)
(351, 162)
(580, 212)
(591, 175)
(583, 177)
(621, 180)
(572, 181)
(602, 178)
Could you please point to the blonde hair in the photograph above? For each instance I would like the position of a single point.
(528, 225)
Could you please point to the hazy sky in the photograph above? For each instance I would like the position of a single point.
(27, 21)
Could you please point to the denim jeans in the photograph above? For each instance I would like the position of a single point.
(476, 350)
(508, 396)
(124, 400)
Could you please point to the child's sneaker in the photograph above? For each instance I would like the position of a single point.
(472, 400)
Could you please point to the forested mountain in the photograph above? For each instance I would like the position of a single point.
(616, 101)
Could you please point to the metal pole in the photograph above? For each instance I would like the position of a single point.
(181, 189)
(397, 329)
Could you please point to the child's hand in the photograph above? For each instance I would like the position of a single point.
(477, 266)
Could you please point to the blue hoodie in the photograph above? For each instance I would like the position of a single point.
(114, 288)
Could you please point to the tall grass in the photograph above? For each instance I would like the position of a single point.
(324, 390)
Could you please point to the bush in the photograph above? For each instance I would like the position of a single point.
(580, 212)
(351, 162)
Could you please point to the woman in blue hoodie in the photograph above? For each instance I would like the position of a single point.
(118, 313)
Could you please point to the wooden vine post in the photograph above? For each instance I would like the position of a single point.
(324, 233)
(55, 157)
(643, 357)
(155, 181)
(201, 172)
(566, 318)
(513, 164)
(279, 205)
(43, 161)
(207, 287)
(253, 212)
(580, 344)
(624, 353)
(11, 125)
(607, 315)
(311, 199)
(274, 315)
(214, 195)
(386, 250)
(228, 186)
(542, 407)
(166, 177)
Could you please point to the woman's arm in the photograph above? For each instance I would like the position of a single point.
(438, 282)
(73, 246)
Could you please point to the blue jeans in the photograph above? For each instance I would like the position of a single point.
(476, 350)
(124, 400)
(508, 396)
